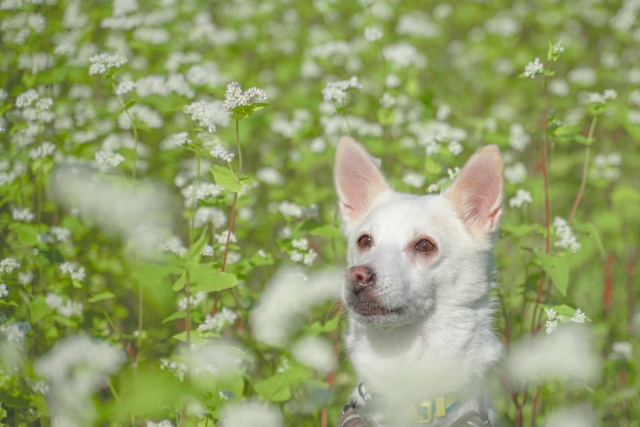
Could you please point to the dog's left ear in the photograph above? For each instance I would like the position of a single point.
(477, 192)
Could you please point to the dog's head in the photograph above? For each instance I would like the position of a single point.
(406, 251)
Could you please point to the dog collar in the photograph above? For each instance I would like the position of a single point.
(428, 410)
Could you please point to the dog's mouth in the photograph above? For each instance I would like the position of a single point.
(366, 308)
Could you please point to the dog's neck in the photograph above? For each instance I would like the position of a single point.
(448, 351)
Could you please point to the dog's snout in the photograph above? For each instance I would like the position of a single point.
(361, 276)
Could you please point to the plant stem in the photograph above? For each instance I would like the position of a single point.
(235, 199)
(133, 126)
(585, 169)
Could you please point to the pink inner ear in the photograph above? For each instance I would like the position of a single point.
(477, 192)
(358, 180)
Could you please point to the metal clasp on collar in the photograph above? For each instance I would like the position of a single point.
(362, 393)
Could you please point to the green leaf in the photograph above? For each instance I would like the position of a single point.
(180, 283)
(386, 117)
(28, 236)
(274, 389)
(244, 111)
(258, 260)
(213, 280)
(101, 297)
(152, 274)
(177, 315)
(431, 166)
(39, 309)
(128, 104)
(225, 179)
(194, 337)
(557, 268)
(8, 302)
(581, 139)
(518, 230)
(329, 326)
(326, 231)
(592, 231)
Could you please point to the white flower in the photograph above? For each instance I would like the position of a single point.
(27, 98)
(453, 173)
(597, 98)
(552, 320)
(222, 237)
(317, 145)
(579, 317)
(310, 257)
(194, 300)
(387, 100)
(207, 250)
(173, 244)
(74, 369)
(413, 179)
(337, 92)
(217, 322)
(516, 173)
(7, 265)
(533, 68)
(518, 137)
(207, 214)
(181, 138)
(291, 209)
(61, 234)
(296, 256)
(302, 244)
(25, 278)
(201, 114)
(252, 413)
(163, 423)
(125, 87)
(372, 34)
(42, 150)
(64, 308)
(15, 332)
(433, 188)
(551, 326)
(521, 197)
(392, 80)
(442, 113)
(270, 175)
(22, 214)
(219, 152)
(455, 148)
(106, 159)
(567, 238)
(621, 350)
(236, 97)
(199, 192)
(558, 48)
(73, 270)
(105, 61)
(4, 291)
(403, 55)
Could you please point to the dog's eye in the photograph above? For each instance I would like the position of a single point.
(425, 246)
(364, 241)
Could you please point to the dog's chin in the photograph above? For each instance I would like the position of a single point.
(372, 313)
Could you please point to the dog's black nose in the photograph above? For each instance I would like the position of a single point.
(361, 276)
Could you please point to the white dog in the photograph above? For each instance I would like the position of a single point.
(420, 335)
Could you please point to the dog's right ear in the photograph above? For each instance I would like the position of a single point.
(358, 181)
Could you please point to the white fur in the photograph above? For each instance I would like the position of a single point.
(442, 341)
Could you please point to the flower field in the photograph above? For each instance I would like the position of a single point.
(170, 245)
